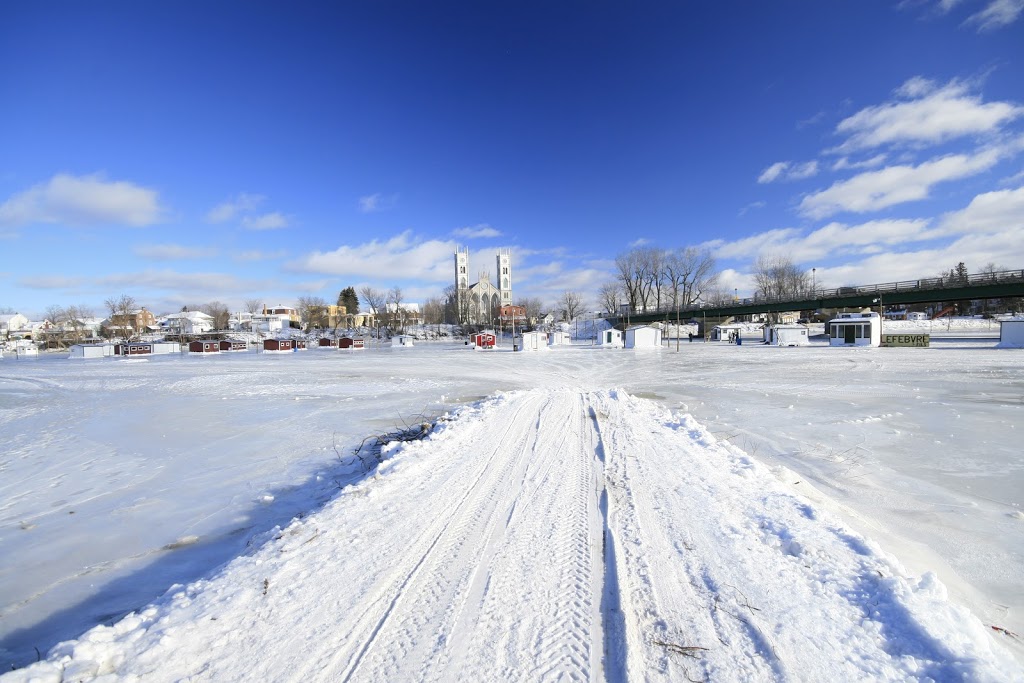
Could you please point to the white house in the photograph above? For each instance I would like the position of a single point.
(728, 332)
(401, 340)
(786, 335)
(12, 322)
(917, 315)
(856, 329)
(1011, 333)
(533, 341)
(91, 351)
(643, 337)
(611, 338)
(191, 322)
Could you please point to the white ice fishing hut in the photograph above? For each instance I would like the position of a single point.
(728, 332)
(91, 351)
(611, 338)
(401, 340)
(533, 341)
(855, 329)
(1011, 334)
(559, 339)
(643, 337)
(786, 335)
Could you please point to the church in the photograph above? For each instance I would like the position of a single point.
(479, 303)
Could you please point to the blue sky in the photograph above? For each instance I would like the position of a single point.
(188, 152)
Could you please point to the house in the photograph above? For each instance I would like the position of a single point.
(610, 338)
(512, 314)
(351, 343)
(855, 329)
(786, 335)
(269, 324)
(559, 339)
(286, 314)
(484, 340)
(917, 315)
(125, 324)
(401, 341)
(234, 345)
(12, 322)
(203, 346)
(278, 346)
(1011, 333)
(188, 322)
(728, 332)
(643, 337)
(404, 314)
(533, 341)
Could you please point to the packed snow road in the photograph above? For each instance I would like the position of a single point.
(552, 534)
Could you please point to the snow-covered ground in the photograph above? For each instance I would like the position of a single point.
(748, 527)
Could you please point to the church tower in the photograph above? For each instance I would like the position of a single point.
(461, 277)
(504, 276)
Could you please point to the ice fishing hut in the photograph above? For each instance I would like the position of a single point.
(611, 338)
(278, 346)
(300, 344)
(643, 337)
(351, 343)
(729, 332)
(533, 341)
(1011, 333)
(559, 339)
(401, 341)
(484, 340)
(146, 348)
(91, 351)
(786, 335)
(855, 329)
(327, 343)
(234, 345)
(203, 346)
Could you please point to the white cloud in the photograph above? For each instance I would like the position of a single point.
(377, 202)
(639, 242)
(875, 190)
(228, 210)
(788, 170)
(173, 252)
(268, 221)
(844, 163)
(402, 257)
(755, 244)
(480, 231)
(750, 207)
(51, 282)
(990, 212)
(82, 200)
(932, 115)
(257, 255)
(997, 14)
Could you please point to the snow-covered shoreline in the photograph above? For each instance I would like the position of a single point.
(248, 430)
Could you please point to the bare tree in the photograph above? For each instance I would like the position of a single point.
(572, 304)
(433, 311)
(395, 313)
(689, 272)
(219, 312)
(611, 297)
(532, 306)
(777, 277)
(122, 313)
(312, 312)
(253, 306)
(375, 302)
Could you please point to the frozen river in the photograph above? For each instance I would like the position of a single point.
(121, 477)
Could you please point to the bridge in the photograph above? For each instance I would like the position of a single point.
(1004, 284)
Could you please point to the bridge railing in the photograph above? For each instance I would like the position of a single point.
(933, 283)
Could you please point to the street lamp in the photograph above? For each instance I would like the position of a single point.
(813, 283)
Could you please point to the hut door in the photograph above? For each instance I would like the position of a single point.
(849, 331)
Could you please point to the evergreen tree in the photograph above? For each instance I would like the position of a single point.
(349, 300)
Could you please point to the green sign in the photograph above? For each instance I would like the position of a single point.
(920, 340)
